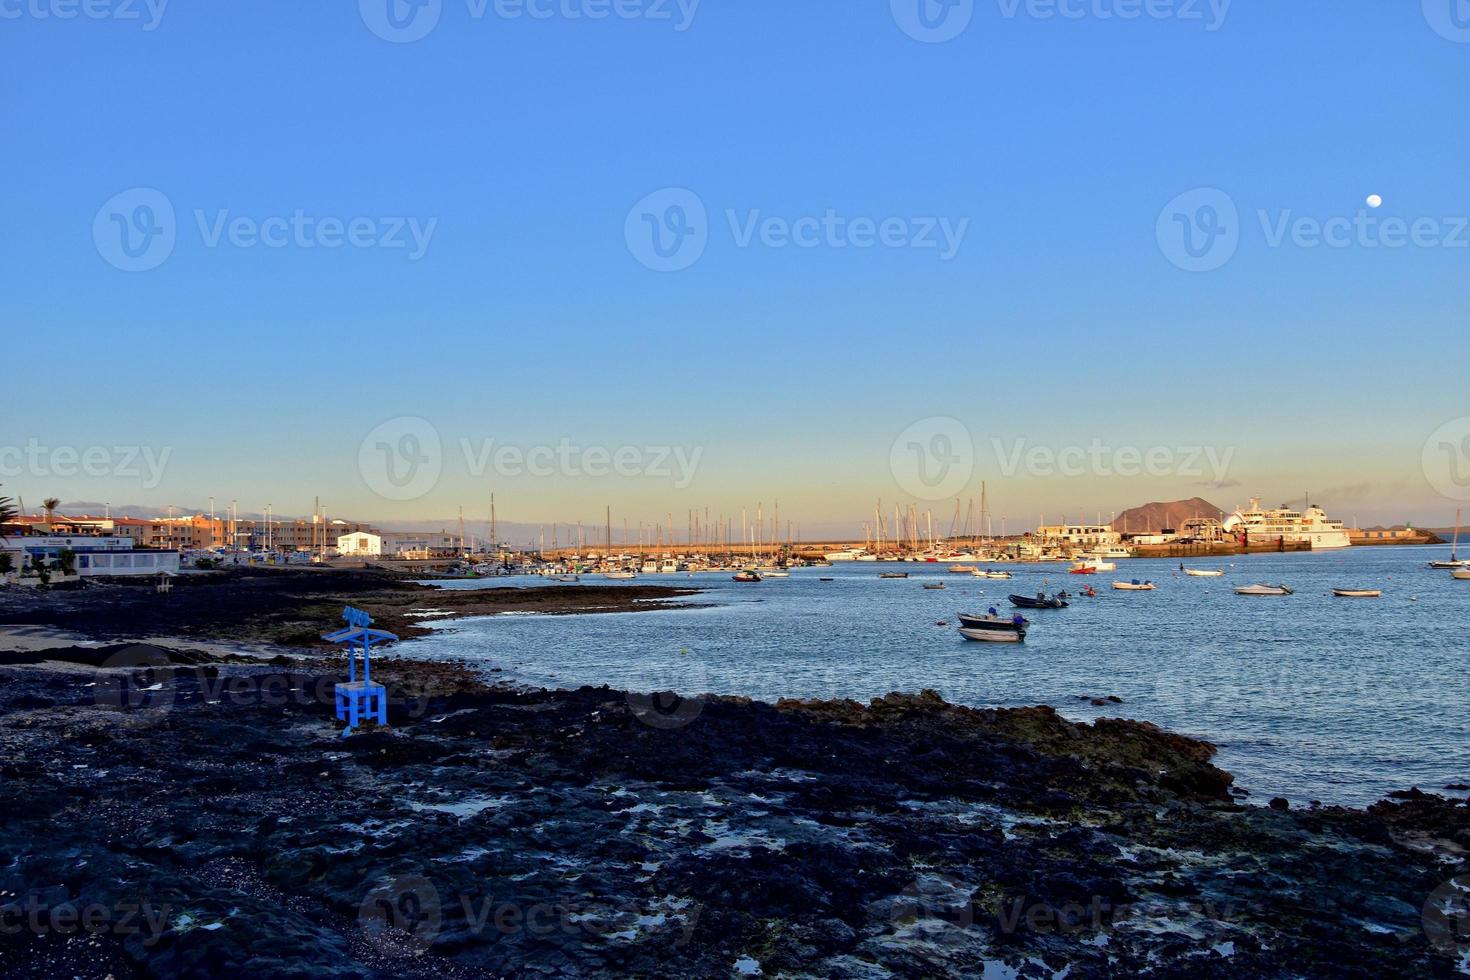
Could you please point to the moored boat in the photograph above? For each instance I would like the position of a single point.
(934, 586)
(1204, 572)
(993, 628)
(749, 575)
(1040, 601)
(1358, 593)
(963, 569)
(1135, 586)
(893, 575)
(1463, 574)
(1455, 561)
(620, 576)
(1262, 588)
(1003, 576)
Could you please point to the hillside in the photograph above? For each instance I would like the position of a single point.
(1157, 516)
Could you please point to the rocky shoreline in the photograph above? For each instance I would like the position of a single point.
(173, 813)
(292, 607)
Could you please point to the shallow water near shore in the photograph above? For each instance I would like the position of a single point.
(1308, 696)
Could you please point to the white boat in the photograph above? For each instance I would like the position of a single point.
(1455, 560)
(1461, 573)
(1134, 586)
(1358, 593)
(771, 573)
(1205, 572)
(993, 575)
(1284, 524)
(963, 569)
(993, 628)
(1263, 589)
(620, 576)
(1096, 564)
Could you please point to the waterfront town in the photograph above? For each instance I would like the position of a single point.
(64, 546)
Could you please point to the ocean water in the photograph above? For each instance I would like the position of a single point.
(1309, 696)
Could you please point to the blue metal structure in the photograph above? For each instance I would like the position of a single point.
(359, 699)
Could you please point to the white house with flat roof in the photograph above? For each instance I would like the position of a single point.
(360, 544)
(96, 555)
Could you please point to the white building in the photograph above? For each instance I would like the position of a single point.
(419, 544)
(360, 544)
(1081, 535)
(95, 555)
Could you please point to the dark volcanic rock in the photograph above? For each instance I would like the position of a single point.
(212, 823)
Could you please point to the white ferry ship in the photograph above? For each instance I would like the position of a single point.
(1310, 525)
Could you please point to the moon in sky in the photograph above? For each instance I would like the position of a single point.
(1374, 201)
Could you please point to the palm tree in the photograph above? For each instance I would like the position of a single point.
(8, 513)
(49, 505)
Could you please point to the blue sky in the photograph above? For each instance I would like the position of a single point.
(519, 145)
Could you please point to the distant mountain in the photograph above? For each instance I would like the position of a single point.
(1157, 516)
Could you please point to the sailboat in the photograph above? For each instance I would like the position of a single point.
(1455, 561)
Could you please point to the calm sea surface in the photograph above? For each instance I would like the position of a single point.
(1308, 696)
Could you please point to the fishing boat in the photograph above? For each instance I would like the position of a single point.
(993, 628)
(749, 575)
(1040, 601)
(1135, 586)
(1358, 593)
(1263, 589)
(1455, 560)
(1204, 572)
(1081, 568)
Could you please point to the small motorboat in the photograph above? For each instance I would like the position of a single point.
(894, 575)
(934, 586)
(1082, 568)
(1358, 593)
(567, 578)
(1204, 572)
(826, 579)
(1461, 573)
(963, 569)
(620, 576)
(1098, 564)
(776, 574)
(1002, 576)
(749, 575)
(1263, 589)
(993, 628)
(1135, 586)
(1040, 601)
